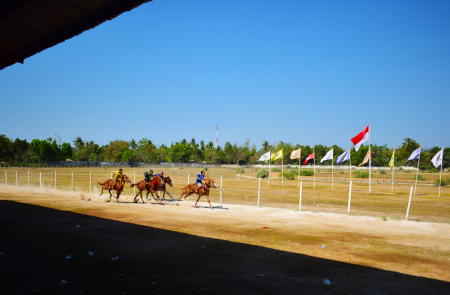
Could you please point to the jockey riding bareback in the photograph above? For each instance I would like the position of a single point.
(199, 181)
(117, 177)
(147, 176)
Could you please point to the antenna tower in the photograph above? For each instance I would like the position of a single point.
(217, 138)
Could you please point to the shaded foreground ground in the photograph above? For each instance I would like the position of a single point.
(171, 249)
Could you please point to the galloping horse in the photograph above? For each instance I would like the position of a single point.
(108, 185)
(202, 191)
(162, 188)
(152, 187)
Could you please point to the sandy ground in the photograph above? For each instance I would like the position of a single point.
(408, 247)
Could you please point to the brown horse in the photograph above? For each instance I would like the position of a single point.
(109, 185)
(202, 191)
(152, 187)
(162, 188)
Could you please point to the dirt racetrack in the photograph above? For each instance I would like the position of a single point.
(232, 249)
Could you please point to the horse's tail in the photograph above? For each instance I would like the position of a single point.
(133, 184)
(101, 183)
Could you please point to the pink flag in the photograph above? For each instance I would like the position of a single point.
(311, 156)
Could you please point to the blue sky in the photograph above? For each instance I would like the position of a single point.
(308, 72)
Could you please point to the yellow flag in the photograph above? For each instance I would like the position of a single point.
(391, 162)
(277, 155)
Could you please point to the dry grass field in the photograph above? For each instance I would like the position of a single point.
(235, 248)
(242, 190)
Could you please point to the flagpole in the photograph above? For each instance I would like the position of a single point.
(282, 177)
(417, 173)
(332, 160)
(270, 155)
(314, 158)
(299, 159)
(393, 166)
(370, 164)
(440, 177)
(350, 166)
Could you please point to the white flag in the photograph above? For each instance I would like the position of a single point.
(415, 154)
(264, 157)
(328, 156)
(344, 157)
(437, 159)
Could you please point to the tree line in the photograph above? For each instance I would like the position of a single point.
(184, 151)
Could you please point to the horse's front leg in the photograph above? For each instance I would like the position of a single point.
(118, 195)
(199, 196)
(207, 196)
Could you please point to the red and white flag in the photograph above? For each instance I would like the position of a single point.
(360, 138)
(311, 156)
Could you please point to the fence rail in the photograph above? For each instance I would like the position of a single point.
(241, 186)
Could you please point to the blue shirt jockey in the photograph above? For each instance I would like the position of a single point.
(199, 180)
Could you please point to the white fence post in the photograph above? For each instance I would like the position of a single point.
(259, 190)
(221, 181)
(349, 197)
(189, 176)
(300, 197)
(409, 203)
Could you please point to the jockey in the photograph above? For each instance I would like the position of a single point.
(148, 175)
(117, 177)
(161, 175)
(199, 181)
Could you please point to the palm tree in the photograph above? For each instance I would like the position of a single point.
(210, 146)
(184, 141)
(202, 145)
(79, 143)
(409, 145)
(133, 144)
(265, 145)
(193, 144)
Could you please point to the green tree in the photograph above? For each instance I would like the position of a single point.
(265, 146)
(79, 143)
(179, 153)
(45, 151)
(6, 148)
(35, 150)
(66, 151)
(21, 150)
(115, 150)
(56, 150)
(133, 144)
(128, 156)
(407, 147)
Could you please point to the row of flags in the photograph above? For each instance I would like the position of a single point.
(357, 141)
(345, 156)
